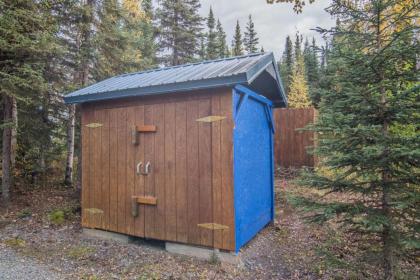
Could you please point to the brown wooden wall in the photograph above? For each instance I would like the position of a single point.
(290, 145)
(191, 174)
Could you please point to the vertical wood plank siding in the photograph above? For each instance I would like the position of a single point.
(139, 180)
(191, 167)
(290, 143)
(149, 181)
(205, 169)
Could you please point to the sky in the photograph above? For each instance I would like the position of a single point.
(272, 22)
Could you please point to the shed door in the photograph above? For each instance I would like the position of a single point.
(189, 173)
(178, 155)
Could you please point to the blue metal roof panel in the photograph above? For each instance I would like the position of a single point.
(207, 74)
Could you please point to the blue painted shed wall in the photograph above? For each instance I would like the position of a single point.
(253, 164)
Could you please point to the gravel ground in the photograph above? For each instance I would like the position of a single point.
(32, 247)
(14, 266)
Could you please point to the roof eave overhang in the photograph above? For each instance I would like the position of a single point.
(159, 89)
(261, 66)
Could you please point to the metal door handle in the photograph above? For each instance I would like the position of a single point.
(146, 168)
(138, 172)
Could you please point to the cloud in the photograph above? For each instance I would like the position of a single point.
(272, 22)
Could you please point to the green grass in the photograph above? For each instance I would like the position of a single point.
(57, 217)
(60, 215)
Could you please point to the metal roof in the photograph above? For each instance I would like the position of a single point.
(259, 71)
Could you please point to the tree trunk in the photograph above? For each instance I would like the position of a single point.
(81, 75)
(7, 150)
(175, 58)
(388, 234)
(68, 178)
(388, 237)
(14, 133)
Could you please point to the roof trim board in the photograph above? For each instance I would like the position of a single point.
(166, 88)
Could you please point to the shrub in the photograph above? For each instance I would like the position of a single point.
(57, 217)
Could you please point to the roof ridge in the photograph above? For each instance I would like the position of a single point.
(195, 63)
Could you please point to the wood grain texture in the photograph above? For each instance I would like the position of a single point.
(113, 172)
(157, 99)
(291, 144)
(217, 171)
(105, 165)
(139, 180)
(193, 191)
(159, 171)
(87, 117)
(181, 171)
(191, 169)
(93, 151)
(205, 169)
(149, 180)
(227, 171)
(130, 171)
(96, 142)
(121, 168)
(170, 187)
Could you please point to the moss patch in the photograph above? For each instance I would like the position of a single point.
(80, 252)
(15, 242)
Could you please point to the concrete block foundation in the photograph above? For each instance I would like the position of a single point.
(207, 254)
(102, 234)
(203, 253)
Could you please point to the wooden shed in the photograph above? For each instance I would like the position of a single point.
(182, 154)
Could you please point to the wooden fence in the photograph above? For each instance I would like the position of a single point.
(290, 145)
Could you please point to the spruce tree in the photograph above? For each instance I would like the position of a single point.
(111, 41)
(298, 46)
(228, 52)
(47, 119)
(202, 52)
(139, 48)
(324, 51)
(212, 43)
(147, 6)
(220, 41)
(368, 129)
(250, 38)
(298, 96)
(312, 67)
(286, 65)
(27, 41)
(179, 26)
(148, 47)
(237, 48)
(77, 29)
(315, 61)
(85, 43)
